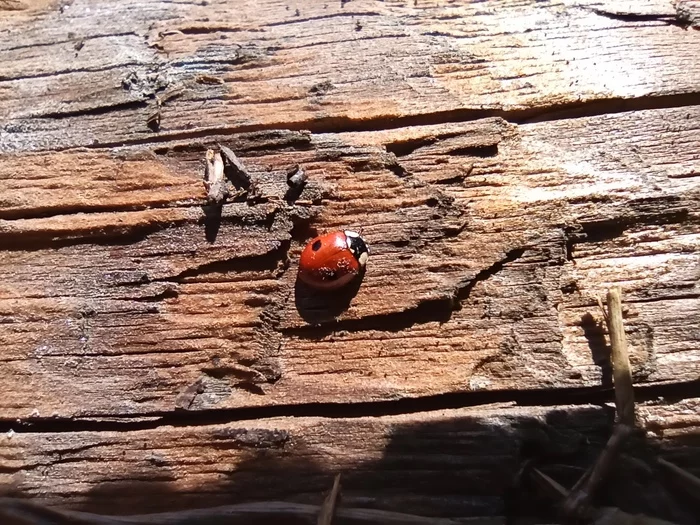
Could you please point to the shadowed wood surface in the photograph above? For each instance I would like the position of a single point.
(447, 463)
(507, 162)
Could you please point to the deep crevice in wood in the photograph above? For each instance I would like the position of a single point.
(99, 110)
(341, 124)
(677, 20)
(267, 261)
(182, 418)
(113, 235)
(612, 228)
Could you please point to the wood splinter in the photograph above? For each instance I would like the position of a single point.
(214, 180)
(296, 182)
(682, 478)
(325, 515)
(236, 172)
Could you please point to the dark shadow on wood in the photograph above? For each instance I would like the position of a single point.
(323, 306)
(594, 332)
(212, 221)
(455, 467)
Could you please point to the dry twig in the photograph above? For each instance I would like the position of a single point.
(14, 511)
(325, 516)
(577, 502)
(237, 173)
(682, 478)
(579, 498)
(624, 392)
(596, 516)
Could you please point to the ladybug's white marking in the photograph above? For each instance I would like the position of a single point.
(350, 234)
(363, 258)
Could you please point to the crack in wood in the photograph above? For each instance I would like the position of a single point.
(98, 110)
(71, 71)
(647, 211)
(678, 18)
(39, 212)
(535, 397)
(274, 260)
(342, 124)
(344, 14)
(106, 235)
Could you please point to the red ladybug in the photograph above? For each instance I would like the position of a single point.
(333, 260)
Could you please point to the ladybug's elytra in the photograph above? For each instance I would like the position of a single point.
(333, 260)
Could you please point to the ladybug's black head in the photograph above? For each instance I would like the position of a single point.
(357, 247)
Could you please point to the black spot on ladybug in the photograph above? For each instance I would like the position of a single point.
(316, 246)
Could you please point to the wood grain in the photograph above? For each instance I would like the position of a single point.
(332, 66)
(503, 237)
(425, 463)
(507, 162)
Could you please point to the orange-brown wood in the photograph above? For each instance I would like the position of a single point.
(507, 162)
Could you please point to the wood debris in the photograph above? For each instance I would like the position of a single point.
(296, 180)
(214, 180)
(577, 504)
(325, 516)
(236, 172)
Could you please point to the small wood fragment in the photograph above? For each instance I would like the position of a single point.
(153, 120)
(214, 181)
(208, 79)
(184, 399)
(170, 94)
(296, 180)
(325, 516)
(235, 170)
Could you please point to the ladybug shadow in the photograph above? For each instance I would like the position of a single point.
(323, 306)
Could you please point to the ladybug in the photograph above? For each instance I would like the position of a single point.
(332, 260)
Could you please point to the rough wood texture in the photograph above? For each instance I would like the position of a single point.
(325, 65)
(444, 463)
(507, 162)
(501, 248)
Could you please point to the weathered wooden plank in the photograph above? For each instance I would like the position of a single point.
(218, 66)
(133, 316)
(448, 463)
(490, 243)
